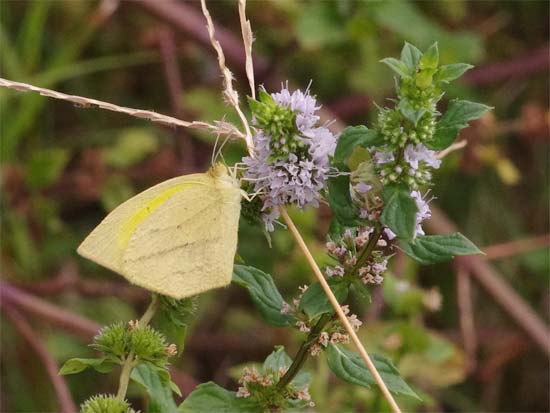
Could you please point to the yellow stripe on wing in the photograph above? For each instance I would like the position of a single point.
(130, 225)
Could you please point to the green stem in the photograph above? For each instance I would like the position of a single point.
(313, 335)
(302, 354)
(131, 361)
(367, 251)
(124, 379)
(150, 312)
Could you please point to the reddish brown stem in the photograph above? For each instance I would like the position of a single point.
(509, 249)
(494, 284)
(65, 282)
(66, 402)
(175, 88)
(188, 19)
(466, 315)
(517, 67)
(80, 326)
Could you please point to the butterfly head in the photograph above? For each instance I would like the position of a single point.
(225, 175)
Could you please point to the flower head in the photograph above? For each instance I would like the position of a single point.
(291, 152)
(423, 213)
(419, 153)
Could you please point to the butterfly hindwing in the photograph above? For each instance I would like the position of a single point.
(177, 238)
(187, 245)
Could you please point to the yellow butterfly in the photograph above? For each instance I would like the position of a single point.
(177, 238)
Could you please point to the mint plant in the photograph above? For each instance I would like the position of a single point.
(379, 204)
(377, 182)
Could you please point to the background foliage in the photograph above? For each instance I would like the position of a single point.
(64, 167)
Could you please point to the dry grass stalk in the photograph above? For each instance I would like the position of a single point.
(230, 94)
(219, 127)
(454, 147)
(248, 39)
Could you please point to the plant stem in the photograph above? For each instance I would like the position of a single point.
(130, 361)
(150, 312)
(302, 354)
(367, 251)
(124, 379)
(336, 305)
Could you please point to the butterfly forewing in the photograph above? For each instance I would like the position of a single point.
(178, 238)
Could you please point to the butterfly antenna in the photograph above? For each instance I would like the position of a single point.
(213, 157)
(219, 152)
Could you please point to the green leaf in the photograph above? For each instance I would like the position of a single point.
(430, 58)
(431, 249)
(399, 211)
(340, 201)
(459, 113)
(338, 186)
(398, 67)
(349, 366)
(361, 289)
(336, 229)
(115, 190)
(159, 391)
(410, 56)
(352, 137)
(277, 359)
(264, 294)
(209, 397)
(45, 166)
(132, 146)
(409, 112)
(315, 302)
(320, 26)
(76, 365)
(447, 73)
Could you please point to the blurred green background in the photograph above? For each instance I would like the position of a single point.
(65, 167)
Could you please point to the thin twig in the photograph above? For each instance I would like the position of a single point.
(336, 305)
(66, 402)
(68, 279)
(220, 127)
(230, 94)
(248, 38)
(509, 249)
(454, 147)
(495, 284)
(183, 17)
(517, 67)
(466, 315)
(187, 19)
(184, 143)
(78, 325)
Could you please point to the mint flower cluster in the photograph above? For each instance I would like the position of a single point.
(290, 164)
(260, 385)
(262, 382)
(332, 333)
(345, 252)
(404, 157)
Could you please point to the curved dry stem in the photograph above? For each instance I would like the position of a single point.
(230, 94)
(336, 305)
(219, 127)
(66, 402)
(248, 39)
